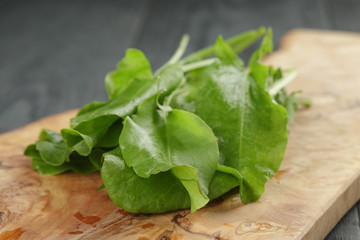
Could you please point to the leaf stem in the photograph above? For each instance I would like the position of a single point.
(164, 109)
(238, 43)
(280, 84)
(169, 98)
(199, 64)
(180, 51)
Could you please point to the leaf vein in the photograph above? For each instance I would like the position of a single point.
(242, 118)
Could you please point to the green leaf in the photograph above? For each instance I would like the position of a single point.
(44, 168)
(154, 141)
(158, 193)
(226, 55)
(196, 186)
(266, 47)
(95, 157)
(88, 134)
(52, 153)
(50, 156)
(258, 71)
(133, 65)
(252, 137)
(120, 106)
(238, 44)
(81, 164)
(51, 148)
(191, 132)
(31, 151)
(132, 95)
(225, 179)
(90, 107)
(100, 188)
(92, 124)
(76, 163)
(51, 136)
(111, 137)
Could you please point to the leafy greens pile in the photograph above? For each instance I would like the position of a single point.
(195, 129)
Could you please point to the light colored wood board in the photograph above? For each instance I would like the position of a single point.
(317, 183)
(329, 73)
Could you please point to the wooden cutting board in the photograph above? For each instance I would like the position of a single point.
(318, 182)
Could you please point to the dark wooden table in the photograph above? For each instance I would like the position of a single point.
(54, 54)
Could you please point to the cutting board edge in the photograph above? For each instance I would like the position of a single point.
(336, 208)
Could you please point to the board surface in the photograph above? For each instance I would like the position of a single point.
(318, 182)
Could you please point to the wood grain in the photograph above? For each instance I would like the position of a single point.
(318, 181)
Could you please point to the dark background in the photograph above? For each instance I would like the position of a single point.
(54, 54)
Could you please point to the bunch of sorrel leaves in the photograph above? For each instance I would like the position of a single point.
(188, 133)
